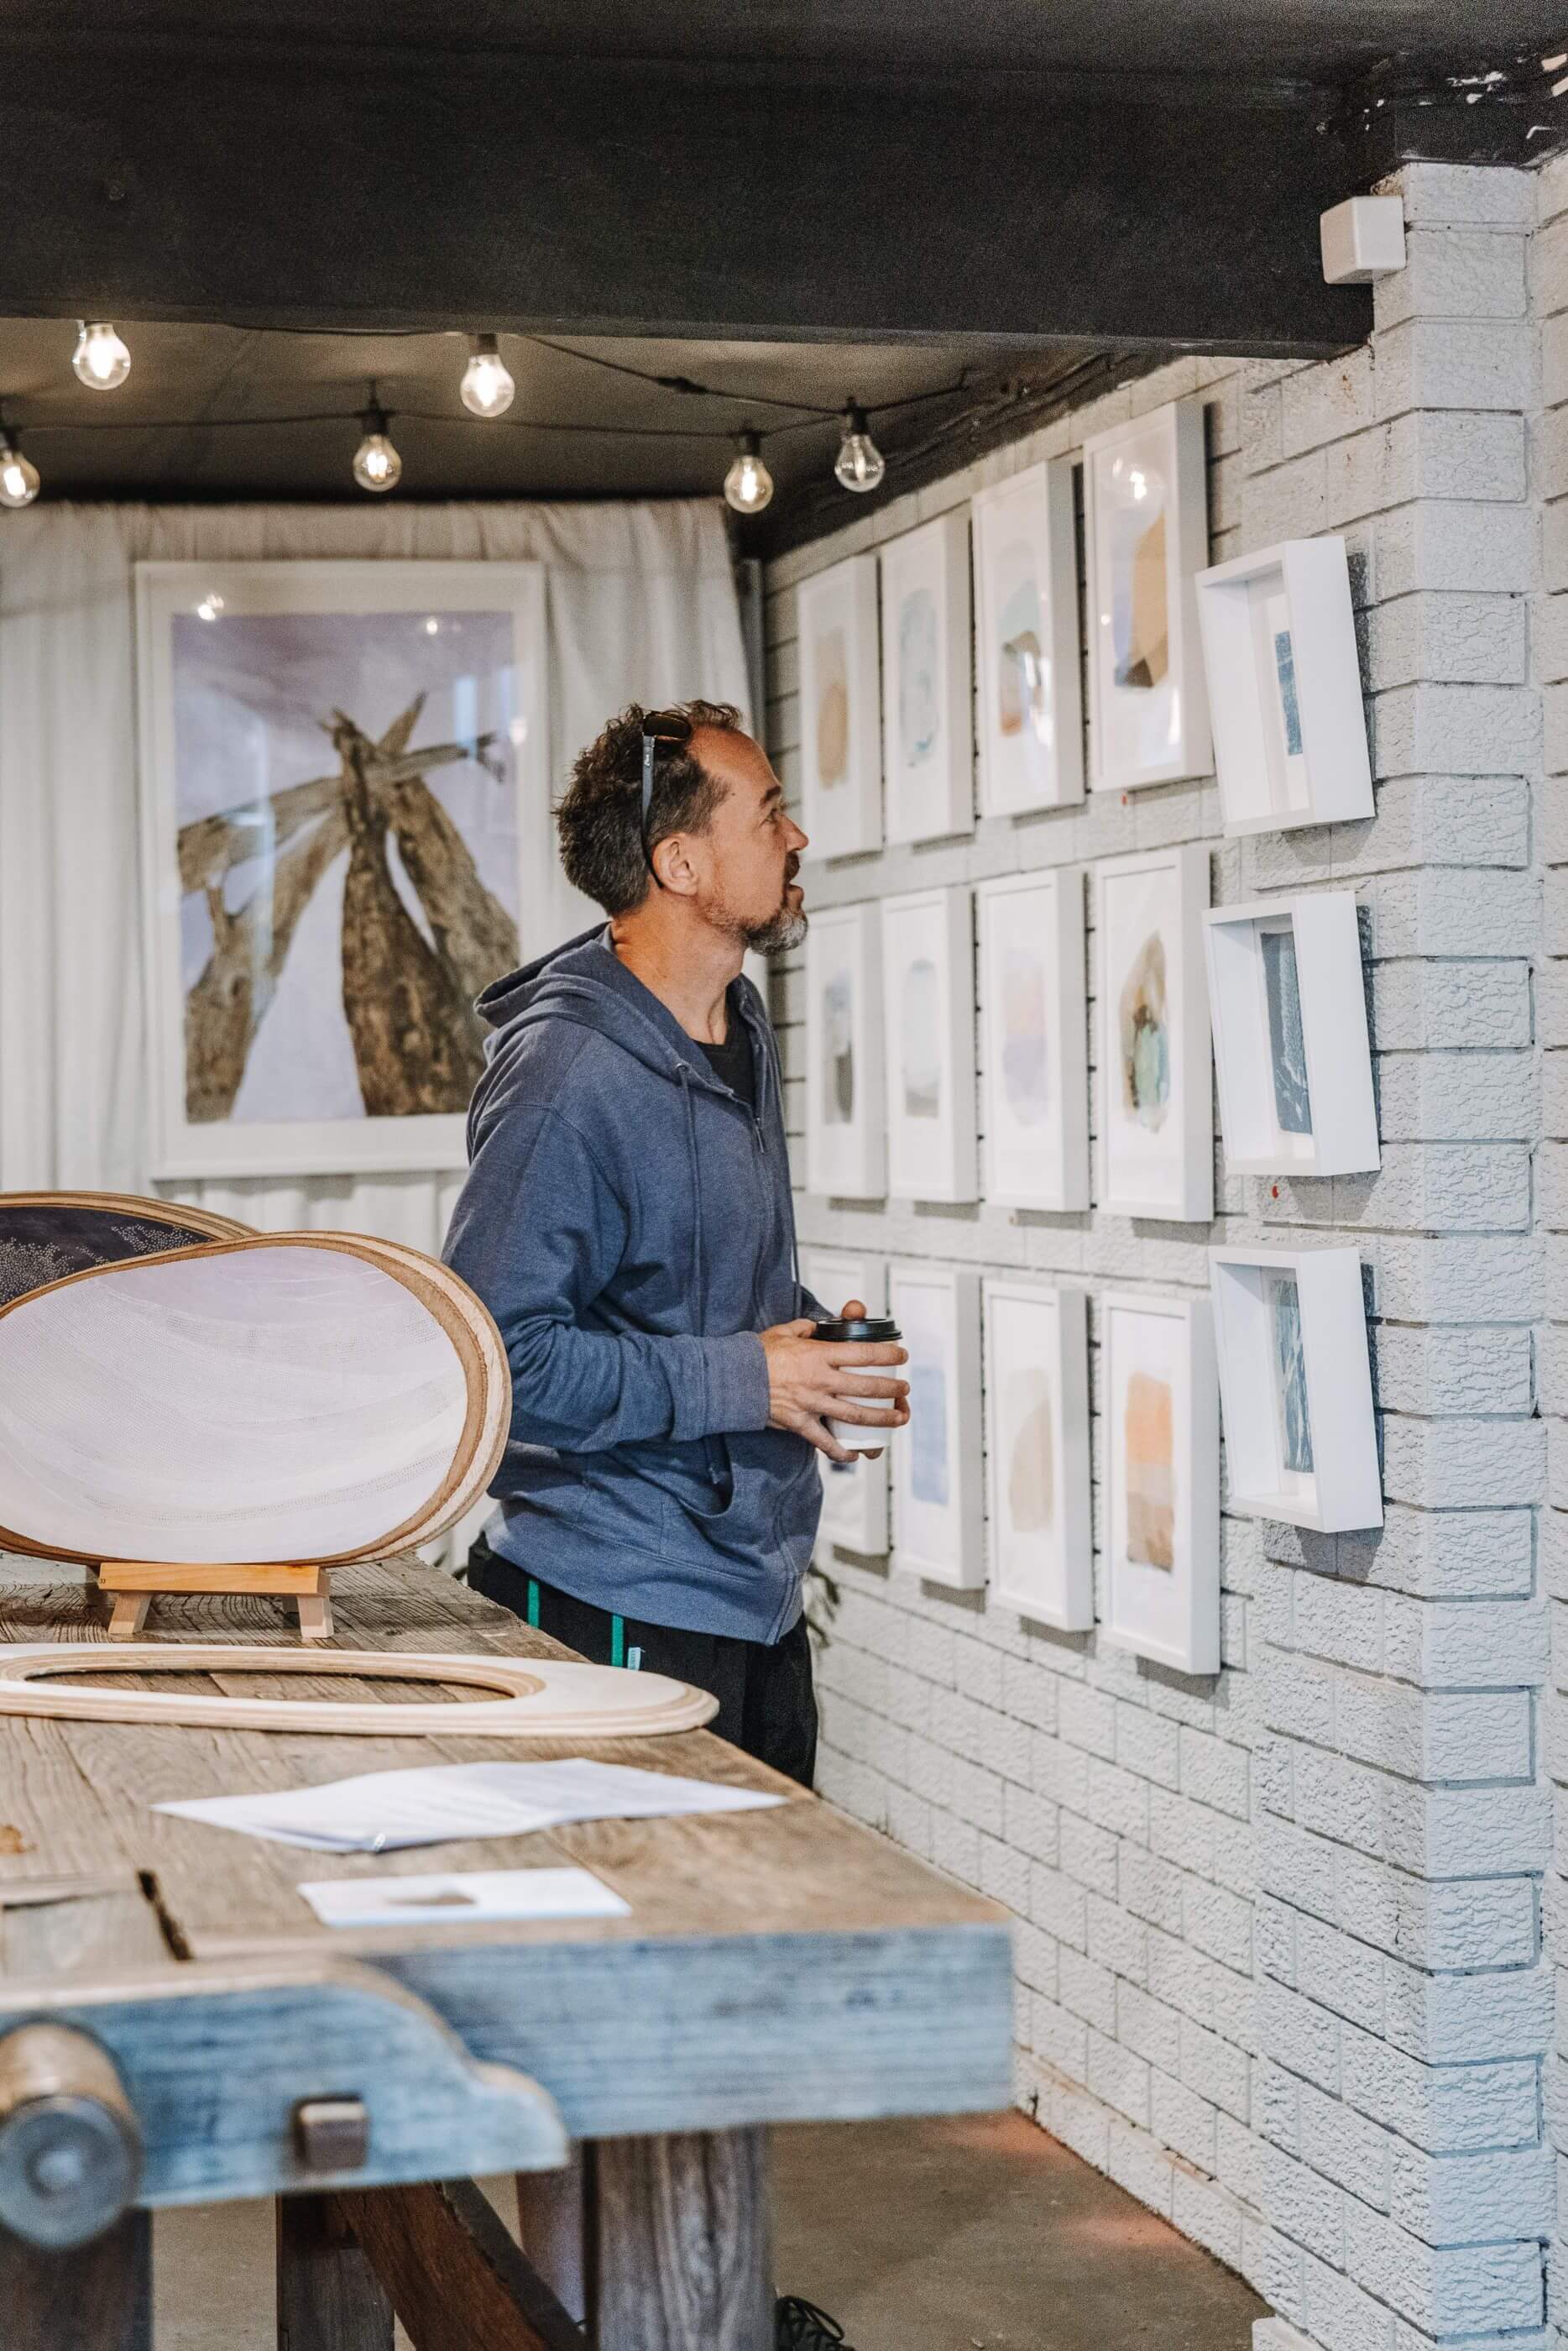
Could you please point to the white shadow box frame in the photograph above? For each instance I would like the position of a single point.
(1285, 687)
(928, 713)
(854, 1495)
(1041, 1550)
(927, 995)
(840, 701)
(1029, 714)
(1162, 1478)
(1288, 1006)
(938, 1485)
(1301, 1437)
(1154, 1089)
(243, 805)
(1148, 702)
(1033, 1030)
(846, 1096)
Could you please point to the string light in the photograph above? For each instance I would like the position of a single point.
(18, 477)
(100, 359)
(748, 484)
(487, 386)
(377, 465)
(860, 465)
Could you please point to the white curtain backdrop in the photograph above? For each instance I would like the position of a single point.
(641, 606)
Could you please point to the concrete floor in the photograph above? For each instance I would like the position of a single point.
(975, 2234)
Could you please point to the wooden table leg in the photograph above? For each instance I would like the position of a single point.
(94, 2297)
(550, 2212)
(329, 2296)
(679, 2243)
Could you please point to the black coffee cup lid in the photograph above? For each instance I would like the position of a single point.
(861, 1329)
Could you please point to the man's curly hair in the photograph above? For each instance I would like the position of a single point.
(599, 816)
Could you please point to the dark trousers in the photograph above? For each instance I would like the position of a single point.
(766, 1702)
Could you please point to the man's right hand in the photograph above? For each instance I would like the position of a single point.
(811, 1380)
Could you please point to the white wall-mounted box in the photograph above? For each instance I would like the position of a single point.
(1285, 687)
(1296, 1380)
(1288, 1006)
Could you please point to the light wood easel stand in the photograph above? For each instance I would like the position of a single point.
(135, 1582)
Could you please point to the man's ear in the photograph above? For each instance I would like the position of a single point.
(673, 863)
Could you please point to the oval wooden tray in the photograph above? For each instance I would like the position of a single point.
(535, 1698)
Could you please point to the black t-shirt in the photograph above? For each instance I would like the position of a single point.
(732, 1061)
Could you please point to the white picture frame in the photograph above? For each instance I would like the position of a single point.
(1033, 1039)
(939, 1486)
(1288, 1007)
(854, 1513)
(928, 718)
(1153, 1088)
(1295, 1377)
(1285, 687)
(1162, 1478)
(1029, 719)
(928, 996)
(1039, 1536)
(243, 670)
(1149, 704)
(840, 691)
(846, 1096)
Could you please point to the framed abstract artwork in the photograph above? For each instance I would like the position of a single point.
(1295, 1381)
(840, 710)
(1037, 1450)
(928, 994)
(1030, 710)
(1162, 1478)
(1032, 1039)
(846, 1137)
(1146, 510)
(938, 1515)
(1288, 1007)
(853, 1494)
(1155, 1094)
(347, 835)
(928, 724)
(1285, 687)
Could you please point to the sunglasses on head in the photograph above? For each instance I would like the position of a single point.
(658, 726)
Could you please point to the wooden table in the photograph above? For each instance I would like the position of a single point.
(167, 1996)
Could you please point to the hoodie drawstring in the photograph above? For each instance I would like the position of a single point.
(698, 1287)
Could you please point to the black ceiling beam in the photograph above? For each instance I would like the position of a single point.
(320, 190)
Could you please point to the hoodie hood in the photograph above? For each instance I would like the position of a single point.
(586, 982)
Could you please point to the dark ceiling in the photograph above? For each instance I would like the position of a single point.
(1319, 41)
(990, 204)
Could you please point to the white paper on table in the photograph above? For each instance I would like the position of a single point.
(383, 1812)
(465, 1897)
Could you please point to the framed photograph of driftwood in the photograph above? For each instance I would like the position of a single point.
(346, 836)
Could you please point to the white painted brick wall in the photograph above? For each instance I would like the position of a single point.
(1280, 1940)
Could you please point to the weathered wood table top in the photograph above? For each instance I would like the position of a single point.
(775, 1965)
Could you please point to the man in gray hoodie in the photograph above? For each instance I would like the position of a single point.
(628, 1220)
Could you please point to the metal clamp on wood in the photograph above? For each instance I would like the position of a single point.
(70, 2151)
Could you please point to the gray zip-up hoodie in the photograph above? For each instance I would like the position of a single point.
(626, 1219)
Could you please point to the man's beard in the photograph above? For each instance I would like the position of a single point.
(780, 933)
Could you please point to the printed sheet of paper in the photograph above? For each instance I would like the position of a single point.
(382, 1812)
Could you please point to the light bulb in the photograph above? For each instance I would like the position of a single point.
(487, 386)
(18, 478)
(100, 358)
(748, 484)
(377, 465)
(859, 465)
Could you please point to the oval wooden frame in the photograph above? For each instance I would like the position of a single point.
(463, 1317)
(539, 1698)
